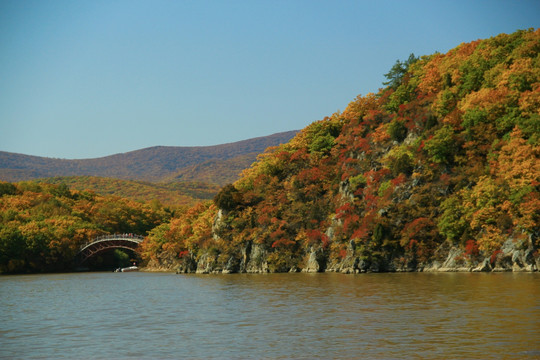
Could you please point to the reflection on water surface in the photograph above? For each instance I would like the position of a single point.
(166, 316)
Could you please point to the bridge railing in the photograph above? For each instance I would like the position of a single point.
(134, 237)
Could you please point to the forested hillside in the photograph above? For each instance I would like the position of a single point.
(439, 170)
(42, 226)
(172, 194)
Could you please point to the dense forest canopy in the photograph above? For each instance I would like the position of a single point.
(43, 225)
(442, 160)
(173, 194)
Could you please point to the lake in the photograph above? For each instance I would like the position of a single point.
(274, 316)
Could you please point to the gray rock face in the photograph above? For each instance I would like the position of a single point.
(513, 256)
(345, 190)
(519, 255)
(349, 264)
(516, 256)
(316, 261)
(456, 261)
(232, 266)
(207, 264)
(484, 266)
(257, 262)
(219, 224)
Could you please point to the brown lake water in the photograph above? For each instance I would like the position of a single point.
(274, 316)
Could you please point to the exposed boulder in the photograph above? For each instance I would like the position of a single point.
(316, 261)
(456, 260)
(231, 266)
(516, 255)
(207, 264)
(484, 266)
(347, 265)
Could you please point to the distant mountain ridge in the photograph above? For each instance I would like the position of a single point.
(154, 164)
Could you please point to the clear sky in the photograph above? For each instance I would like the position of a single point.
(89, 78)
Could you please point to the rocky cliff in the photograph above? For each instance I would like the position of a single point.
(515, 255)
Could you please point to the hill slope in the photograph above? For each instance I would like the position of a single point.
(438, 171)
(215, 171)
(150, 164)
(172, 194)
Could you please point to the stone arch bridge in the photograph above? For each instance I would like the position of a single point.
(108, 242)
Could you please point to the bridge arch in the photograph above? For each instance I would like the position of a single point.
(107, 242)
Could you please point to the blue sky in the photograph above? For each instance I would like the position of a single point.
(90, 78)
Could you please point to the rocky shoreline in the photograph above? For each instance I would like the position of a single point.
(253, 258)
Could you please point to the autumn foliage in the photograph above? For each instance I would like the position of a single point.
(445, 156)
(42, 226)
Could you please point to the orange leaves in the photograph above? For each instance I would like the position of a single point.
(189, 231)
(362, 145)
(344, 210)
(360, 107)
(471, 248)
(362, 233)
(529, 211)
(316, 236)
(279, 236)
(518, 163)
(310, 175)
(348, 218)
(520, 76)
(491, 238)
(518, 167)
(400, 179)
(465, 50)
(420, 228)
(376, 176)
(419, 238)
(431, 81)
(493, 101)
(505, 202)
(380, 134)
(283, 242)
(529, 101)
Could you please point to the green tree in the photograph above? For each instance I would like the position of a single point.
(442, 146)
(229, 198)
(61, 190)
(454, 221)
(7, 188)
(397, 131)
(402, 164)
(396, 73)
(321, 136)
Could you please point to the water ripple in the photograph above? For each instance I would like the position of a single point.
(277, 316)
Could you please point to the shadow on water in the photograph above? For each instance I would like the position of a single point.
(110, 260)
